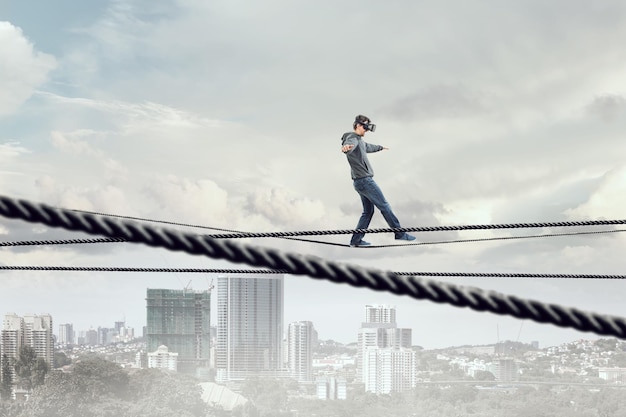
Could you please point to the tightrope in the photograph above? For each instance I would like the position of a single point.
(297, 264)
(237, 234)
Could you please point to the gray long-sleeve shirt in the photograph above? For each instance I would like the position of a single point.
(357, 157)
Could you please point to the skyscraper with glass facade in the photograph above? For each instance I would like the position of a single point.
(180, 320)
(301, 338)
(249, 327)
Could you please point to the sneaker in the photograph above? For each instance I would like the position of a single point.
(361, 243)
(406, 236)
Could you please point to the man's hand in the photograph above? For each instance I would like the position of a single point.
(347, 148)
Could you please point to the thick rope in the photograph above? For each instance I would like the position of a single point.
(61, 242)
(138, 269)
(279, 271)
(418, 288)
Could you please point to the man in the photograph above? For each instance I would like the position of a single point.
(356, 150)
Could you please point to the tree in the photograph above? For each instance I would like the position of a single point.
(6, 386)
(98, 388)
(100, 377)
(484, 376)
(30, 370)
(159, 393)
(266, 394)
(60, 360)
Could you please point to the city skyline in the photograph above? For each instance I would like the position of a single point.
(206, 114)
(499, 328)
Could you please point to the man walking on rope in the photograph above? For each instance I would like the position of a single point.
(356, 150)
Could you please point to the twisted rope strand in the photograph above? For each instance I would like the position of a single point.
(137, 269)
(62, 241)
(415, 287)
(281, 271)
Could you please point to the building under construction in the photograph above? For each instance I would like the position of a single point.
(180, 320)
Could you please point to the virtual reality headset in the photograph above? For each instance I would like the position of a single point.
(368, 126)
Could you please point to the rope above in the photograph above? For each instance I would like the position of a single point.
(230, 234)
(418, 229)
(279, 271)
(415, 287)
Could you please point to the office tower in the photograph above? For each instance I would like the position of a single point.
(66, 334)
(379, 331)
(104, 336)
(180, 320)
(387, 370)
(91, 337)
(119, 325)
(249, 327)
(301, 337)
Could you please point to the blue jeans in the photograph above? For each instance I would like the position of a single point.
(372, 196)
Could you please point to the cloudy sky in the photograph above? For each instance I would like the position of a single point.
(229, 114)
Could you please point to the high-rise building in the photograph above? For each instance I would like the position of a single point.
(104, 336)
(12, 336)
(91, 337)
(249, 327)
(380, 314)
(331, 388)
(387, 370)
(38, 335)
(30, 330)
(180, 320)
(119, 325)
(504, 369)
(301, 337)
(380, 331)
(66, 334)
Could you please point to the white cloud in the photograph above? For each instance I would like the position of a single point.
(22, 69)
(201, 201)
(11, 150)
(229, 116)
(285, 209)
(607, 200)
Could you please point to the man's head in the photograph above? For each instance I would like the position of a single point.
(363, 124)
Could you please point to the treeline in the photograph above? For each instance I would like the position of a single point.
(98, 388)
(464, 400)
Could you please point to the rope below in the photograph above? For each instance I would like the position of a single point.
(418, 288)
(428, 243)
(420, 229)
(241, 234)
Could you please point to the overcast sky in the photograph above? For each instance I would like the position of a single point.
(229, 114)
